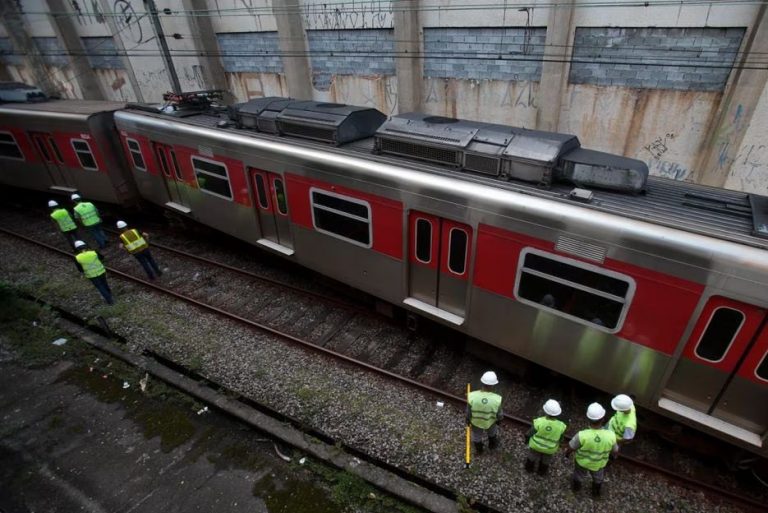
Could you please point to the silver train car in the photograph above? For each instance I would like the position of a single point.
(570, 258)
(63, 147)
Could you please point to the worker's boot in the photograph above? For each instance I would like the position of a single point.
(529, 465)
(479, 448)
(575, 485)
(543, 469)
(596, 489)
(493, 443)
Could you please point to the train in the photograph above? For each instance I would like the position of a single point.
(571, 258)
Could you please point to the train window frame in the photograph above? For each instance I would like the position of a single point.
(706, 327)
(763, 360)
(196, 170)
(350, 199)
(16, 146)
(466, 250)
(56, 153)
(78, 152)
(177, 167)
(262, 193)
(627, 300)
(128, 141)
(42, 149)
(278, 203)
(416, 239)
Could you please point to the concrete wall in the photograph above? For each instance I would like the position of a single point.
(670, 85)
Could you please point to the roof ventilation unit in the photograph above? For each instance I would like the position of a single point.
(487, 148)
(260, 113)
(18, 92)
(333, 123)
(590, 168)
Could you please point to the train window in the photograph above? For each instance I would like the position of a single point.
(84, 154)
(457, 251)
(762, 369)
(42, 149)
(341, 216)
(261, 191)
(55, 149)
(138, 158)
(721, 330)
(8, 147)
(574, 289)
(212, 177)
(176, 167)
(282, 205)
(163, 161)
(423, 240)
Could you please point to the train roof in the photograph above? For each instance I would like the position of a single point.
(725, 214)
(84, 108)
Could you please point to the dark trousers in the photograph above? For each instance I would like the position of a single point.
(71, 237)
(148, 263)
(100, 282)
(97, 234)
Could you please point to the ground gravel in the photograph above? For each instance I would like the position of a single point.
(391, 422)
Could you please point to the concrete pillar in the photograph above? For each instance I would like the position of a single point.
(106, 6)
(736, 109)
(408, 45)
(555, 68)
(13, 22)
(293, 48)
(66, 32)
(206, 44)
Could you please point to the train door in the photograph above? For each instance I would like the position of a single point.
(439, 252)
(51, 156)
(272, 209)
(172, 176)
(716, 380)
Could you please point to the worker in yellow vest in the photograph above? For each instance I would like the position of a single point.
(544, 438)
(593, 447)
(136, 244)
(624, 421)
(89, 263)
(88, 215)
(484, 413)
(64, 222)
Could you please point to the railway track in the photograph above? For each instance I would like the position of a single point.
(344, 331)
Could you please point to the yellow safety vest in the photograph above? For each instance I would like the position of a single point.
(595, 448)
(485, 407)
(133, 241)
(92, 266)
(87, 213)
(547, 437)
(63, 219)
(623, 420)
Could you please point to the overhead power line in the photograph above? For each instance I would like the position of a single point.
(361, 7)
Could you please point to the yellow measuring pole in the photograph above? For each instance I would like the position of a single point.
(468, 451)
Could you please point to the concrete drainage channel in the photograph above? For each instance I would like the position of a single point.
(387, 478)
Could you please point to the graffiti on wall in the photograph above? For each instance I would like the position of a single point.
(522, 98)
(90, 12)
(668, 169)
(659, 146)
(359, 14)
(128, 21)
(194, 74)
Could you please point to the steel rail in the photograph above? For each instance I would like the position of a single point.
(277, 283)
(670, 474)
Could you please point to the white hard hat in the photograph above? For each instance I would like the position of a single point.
(622, 402)
(75, 197)
(79, 244)
(552, 408)
(489, 378)
(52, 204)
(121, 225)
(595, 412)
